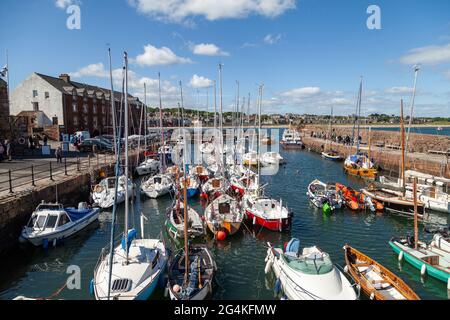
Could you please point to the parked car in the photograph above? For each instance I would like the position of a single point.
(88, 146)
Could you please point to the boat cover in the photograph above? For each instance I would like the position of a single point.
(77, 214)
(293, 246)
(131, 236)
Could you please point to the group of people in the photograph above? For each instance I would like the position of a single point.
(347, 140)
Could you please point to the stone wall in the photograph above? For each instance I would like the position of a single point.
(417, 143)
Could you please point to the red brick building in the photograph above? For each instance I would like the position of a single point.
(72, 105)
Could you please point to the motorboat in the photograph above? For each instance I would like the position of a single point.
(291, 140)
(308, 274)
(271, 158)
(51, 223)
(324, 196)
(148, 166)
(332, 155)
(157, 186)
(250, 159)
(361, 166)
(224, 214)
(103, 194)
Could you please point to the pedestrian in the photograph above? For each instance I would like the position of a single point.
(8, 150)
(2, 150)
(30, 140)
(58, 154)
(45, 140)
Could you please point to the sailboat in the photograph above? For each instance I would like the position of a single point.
(224, 214)
(132, 270)
(360, 164)
(191, 270)
(429, 259)
(331, 154)
(215, 187)
(104, 194)
(261, 210)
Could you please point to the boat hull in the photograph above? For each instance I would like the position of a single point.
(280, 225)
(362, 173)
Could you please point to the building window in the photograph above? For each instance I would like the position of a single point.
(55, 121)
(95, 108)
(47, 95)
(75, 107)
(35, 106)
(75, 120)
(85, 108)
(35, 93)
(95, 122)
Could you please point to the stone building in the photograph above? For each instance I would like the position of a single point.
(70, 105)
(4, 111)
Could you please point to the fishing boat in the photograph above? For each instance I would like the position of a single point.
(193, 185)
(324, 196)
(51, 223)
(291, 140)
(271, 158)
(356, 200)
(157, 186)
(376, 281)
(148, 166)
(133, 269)
(104, 195)
(224, 215)
(308, 274)
(175, 222)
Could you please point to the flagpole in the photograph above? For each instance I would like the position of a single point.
(8, 91)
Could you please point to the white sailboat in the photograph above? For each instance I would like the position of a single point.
(157, 186)
(104, 195)
(130, 271)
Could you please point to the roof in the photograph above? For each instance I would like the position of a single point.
(59, 84)
(2, 82)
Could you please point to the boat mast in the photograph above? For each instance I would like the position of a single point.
(161, 124)
(416, 223)
(140, 132)
(186, 240)
(145, 118)
(113, 107)
(215, 105)
(402, 128)
(182, 104)
(416, 72)
(370, 142)
(221, 117)
(126, 154)
(261, 87)
(359, 114)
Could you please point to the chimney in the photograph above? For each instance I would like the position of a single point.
(65, 77)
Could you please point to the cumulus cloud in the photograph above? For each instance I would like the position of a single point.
(429, 55)
(200, 82)
(272, 39)
(301, 92)
(208, 49)
(154, 56)
(63, 4)
(92, 70)
(182, 10)
(399, 90)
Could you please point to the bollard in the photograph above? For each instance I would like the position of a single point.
(33, 184)
(65, 166)
(10, 182)
(51, 172)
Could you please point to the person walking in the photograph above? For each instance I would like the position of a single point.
(8, 150)
(45, 140)
(2, 151)
(58, 154)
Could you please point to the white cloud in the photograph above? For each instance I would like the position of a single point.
(272, 39)
(182, 10)
(431, 55)
(63, 4)
(208, 49)
(154, 56)
(92, 70)
(200, 82)
(301, 92)
(399, 90)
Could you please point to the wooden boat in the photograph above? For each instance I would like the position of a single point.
(378, 282)
(332, 155)
(360, 166)
(394, 202)
(224, 214)
(356, 200)
(175, 222)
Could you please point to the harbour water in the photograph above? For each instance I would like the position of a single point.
(441, 131)
(240, 259)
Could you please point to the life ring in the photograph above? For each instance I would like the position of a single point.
(22, 140)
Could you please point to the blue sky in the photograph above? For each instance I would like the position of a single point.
(309, 54)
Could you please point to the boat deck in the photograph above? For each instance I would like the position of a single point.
(373, 275)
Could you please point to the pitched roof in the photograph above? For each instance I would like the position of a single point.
(59, 84)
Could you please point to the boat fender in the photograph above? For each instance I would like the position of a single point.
(268, 266)
(400, 256)
(277, 287)
(254, 220)
(91, 287)
(372, 296)
(423, 270)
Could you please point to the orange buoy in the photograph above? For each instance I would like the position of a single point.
(221, 235)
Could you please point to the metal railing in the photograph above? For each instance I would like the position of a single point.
(30, 176)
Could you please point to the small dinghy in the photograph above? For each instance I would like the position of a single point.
(157, 186)
(196, 281)
(308, 274)
(148, 166)
(271, 158)
(356, 200)
(51, 223)
(324, 196)
(378, 282)
(103, 194)
(332, 155)
(224, 215)
(175, 222)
